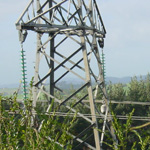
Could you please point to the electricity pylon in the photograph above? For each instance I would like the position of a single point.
(70, 34)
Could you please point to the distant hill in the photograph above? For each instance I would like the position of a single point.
(67, 82)
(123, 80)
(15, 85)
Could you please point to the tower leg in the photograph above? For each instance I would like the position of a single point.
(90, 94)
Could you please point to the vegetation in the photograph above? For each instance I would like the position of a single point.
(18, 131)
(131, 134)
(18, 128)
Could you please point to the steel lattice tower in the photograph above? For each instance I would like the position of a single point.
(70, 34)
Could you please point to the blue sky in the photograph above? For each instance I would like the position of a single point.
(127, 43)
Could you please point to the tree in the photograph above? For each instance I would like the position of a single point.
(19, 131)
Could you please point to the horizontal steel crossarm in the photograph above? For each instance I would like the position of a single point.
(64, 101)
(61, 28)
(68, 107)
(60, 64)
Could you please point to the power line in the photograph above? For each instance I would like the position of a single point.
(62, 114)
(121, 102)
(101, 101)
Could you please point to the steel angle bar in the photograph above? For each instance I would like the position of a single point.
(58, 88)
(82, 87)
(64, 67)
(87, 40)
(101, 116)
(62, 56)
(73, 15)
(88, 10)
(60, 12)
(102, 90)
(95, 16)
(41, 8)
(98, 83)
(85, 130)
(47, 61)
(58, 20)
(65, 10)
(83, 143)
(60, 42)
(104, 125)
(43, 49)
(91, 98)
(60, 64)
(99, 16)
(73, 39)
(58, 4)
(68, 107)
(68, 11)
(42, 87)
(96, 54)
(75, 65)
(78, 12)
(80, 100)
(66, 72)
(46, 20)
(25, 10)
(92, 74)
(49, 39)
(28, 17)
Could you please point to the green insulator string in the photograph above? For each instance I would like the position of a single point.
(103, 65)
(23, 70)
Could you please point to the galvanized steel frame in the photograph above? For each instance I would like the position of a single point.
(84, 26)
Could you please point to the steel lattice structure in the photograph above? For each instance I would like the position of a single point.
(70, 34)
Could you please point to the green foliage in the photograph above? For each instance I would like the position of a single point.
(116, 91)
(125, 133)
(19, 128)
